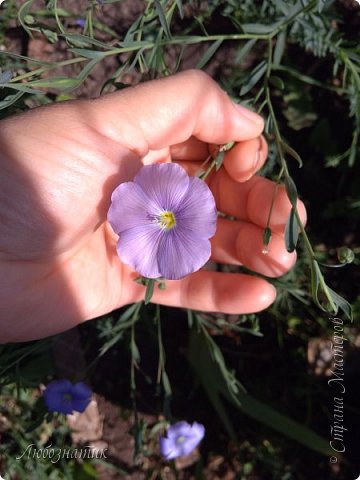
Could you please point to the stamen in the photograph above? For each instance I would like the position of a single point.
(166, 220)
(180, 439)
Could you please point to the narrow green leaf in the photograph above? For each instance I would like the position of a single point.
(320, 291)
(23, 13)
(244, 50)
(128, 312)
(79, 40)
(282, 6)
(214, 377)
(267, 236)
(162, 18)
(20, 87)
(258, 28)
(190, 318)
(277, 82)
(268, 125)
(291, 190)
(62, 83)
(219, 160)
(50, 35)
(135, 354)
(132, 31)
(166, 383)
(291, 232)
(253, 78)
(180, 8)
(208, 54)
(322, 4)
(279, 47)
(341, 303)
(84, 52)
(292, 153)
(27, 59)
(315, 283)
(210, 377)
(88, 68)
(149, 290)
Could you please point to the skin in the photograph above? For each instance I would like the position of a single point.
(58, 167)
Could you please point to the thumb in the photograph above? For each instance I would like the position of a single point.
(168, 111)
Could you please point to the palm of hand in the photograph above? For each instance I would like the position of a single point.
(57, 232)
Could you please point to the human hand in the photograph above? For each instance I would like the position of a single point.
(58, 167)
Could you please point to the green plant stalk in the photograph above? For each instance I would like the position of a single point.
(285, 172)
(165, 42)
(90, 22)
(161, 362)
(40, 71)
(306, 79)
(133, 389)
(58, 21)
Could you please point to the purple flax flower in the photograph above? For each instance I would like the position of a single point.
(64, 397)
(181, 439)
(164, 220)
(80, 22)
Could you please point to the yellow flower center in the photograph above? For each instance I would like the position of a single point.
(167, 220)
(180, 439)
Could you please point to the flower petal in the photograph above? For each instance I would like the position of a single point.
(182, 439)
(130, 207)
(81, 396)
(178, 428)
(181, 253)
(197, 433)
(80, 390)
(138, 247)
(63, 386)
(164, 183)
(197, 211)
(80, 404)
(168, 448)
(55, 402)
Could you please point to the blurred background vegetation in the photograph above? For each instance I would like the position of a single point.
(259, 383)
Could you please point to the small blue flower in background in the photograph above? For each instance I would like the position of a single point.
(80, 22)
(6, 76)
(181, 439)
(63, 397)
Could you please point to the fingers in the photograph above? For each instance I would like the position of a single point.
(241, 162)
(251, 201)
(246, 158)
(242, 243)
(192, 150)
(169, 111)
(214, 292)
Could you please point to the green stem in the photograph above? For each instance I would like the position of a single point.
(289, 20)
(285, 171)
(161, 363)
(306, 79)
(39, 71)
(58, 21)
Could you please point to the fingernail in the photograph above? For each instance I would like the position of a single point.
(254, 117)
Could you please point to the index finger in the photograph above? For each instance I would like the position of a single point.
(168, 111)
